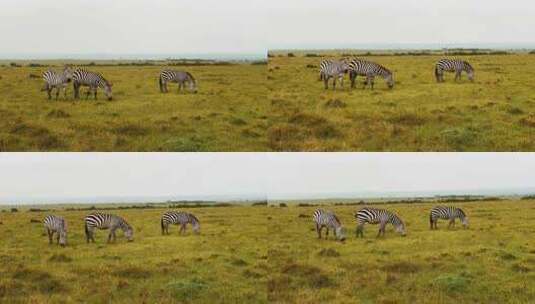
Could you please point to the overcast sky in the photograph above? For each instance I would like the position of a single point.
(251, 26)
(33, 176)
(339, 23)
(133, 26)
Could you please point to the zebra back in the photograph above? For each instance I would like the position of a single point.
(377, 216)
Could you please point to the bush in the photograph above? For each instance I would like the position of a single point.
(283, 205)
(14, 210)
(291, 55)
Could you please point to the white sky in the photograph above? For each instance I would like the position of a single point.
(59, 175)
(133, 26)
(327, 23)
(251, 26)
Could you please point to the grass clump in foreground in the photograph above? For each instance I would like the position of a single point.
(491, 114)
(229, 113)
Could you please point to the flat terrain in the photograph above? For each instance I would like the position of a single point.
(225, 263)
(492, 262)
(229, 113)
(495, 113)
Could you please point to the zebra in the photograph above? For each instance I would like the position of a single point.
(179, 218)
(107, 221)
(93, 80)
(361, 67)
(447, 213)
(378, 216)
(328, 220)
(54, 80)
(180, 77)
(333, 69)
(56, 224)
(453, 65)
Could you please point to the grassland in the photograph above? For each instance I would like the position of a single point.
(228, 114)
(226, 263)
(492, 262)
(495, 113)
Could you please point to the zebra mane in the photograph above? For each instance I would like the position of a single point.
(194, 218)
(461, 212)
(191, 76)
(468, 66)
(336, 218)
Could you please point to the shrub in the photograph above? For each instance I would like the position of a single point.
(291, 55)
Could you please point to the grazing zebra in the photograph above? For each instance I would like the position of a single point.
(54, 80)
(107, 221)
(56, 224)
(447, 213)
(328, 220)
(179, 218)
(378, 216)
(180, 77)
(333, 69)
(360, 67)
(92, 80)
(453, 65)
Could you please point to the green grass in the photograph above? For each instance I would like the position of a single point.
(492, 262)
(230, 112)
(495, 113)
(226, 263)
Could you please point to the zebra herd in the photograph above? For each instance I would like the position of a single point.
(94, 81)
(57, 225)
(336, 69)
(327, 219)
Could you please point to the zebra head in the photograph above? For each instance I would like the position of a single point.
(400, 228)
(107, 90)
(464, 220)
(192, 84)
(63, 237)
(67, 73)
(129, 233)
(340, 233)
(389, 78)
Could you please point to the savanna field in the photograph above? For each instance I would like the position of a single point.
(225, 263)
(258, 255)
(229, 112)
(491, 262)
(494, 113)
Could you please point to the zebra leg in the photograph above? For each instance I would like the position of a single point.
(49, 91)
(371, 81)
(318, 230)
(327, 233)
(381, 229)
(326, 82)
(334, 89)
(87, 94)
(450, 223)
(352, 79)
(50, 233)
(57, 92)
(57, 238)
(95, 91)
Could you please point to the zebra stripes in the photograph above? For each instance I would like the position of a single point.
(333, 69)
(327, 219)
(180, 77)
(54, 80)
(453, 65)
(378, 216)
(93, 80)
(56, 224)
(107, 221)
(179, 218)
(447, 213)
(360, 67)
